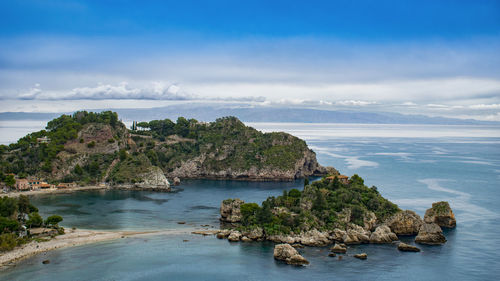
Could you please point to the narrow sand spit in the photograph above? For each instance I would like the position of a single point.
(54, 190)
(76, 237)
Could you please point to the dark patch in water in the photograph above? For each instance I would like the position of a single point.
(156, 201)
(137, 211)
(176, 189)
(71, 212)
(203, 207)
(69, 205)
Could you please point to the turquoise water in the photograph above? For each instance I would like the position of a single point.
(411, 171)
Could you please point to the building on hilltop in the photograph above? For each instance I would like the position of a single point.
(342, 178)
(43, 140)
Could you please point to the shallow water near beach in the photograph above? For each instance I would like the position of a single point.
(442, 164)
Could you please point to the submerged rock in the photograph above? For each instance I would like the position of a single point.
(441, 214)
(405, 223)
(230, 210)
(430, 234)
(288, 254)
(407, 248)
(362, 256)
(383, 234)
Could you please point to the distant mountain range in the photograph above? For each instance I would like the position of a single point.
(261, 114)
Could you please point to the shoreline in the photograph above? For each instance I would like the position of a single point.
(72, 238)
(55, 191)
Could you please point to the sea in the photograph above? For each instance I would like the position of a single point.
(411, 165)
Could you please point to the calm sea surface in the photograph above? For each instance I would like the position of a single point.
(412, 165)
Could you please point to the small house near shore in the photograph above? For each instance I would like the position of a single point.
(66, 185)
(22, 185)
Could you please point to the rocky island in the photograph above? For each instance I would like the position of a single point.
(331, 212)
(89, 148)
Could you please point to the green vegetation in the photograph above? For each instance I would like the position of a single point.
(13, 213)
(440, 208)
(53, 220)
(36, 153)
(322, 205)
(81, 148)
(231, 143)
(130, 168)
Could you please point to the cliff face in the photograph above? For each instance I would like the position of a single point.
(94, 140)
(227, 149)
(91, 147)
(305, 166)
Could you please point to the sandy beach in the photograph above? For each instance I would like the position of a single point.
(76, 237)
(71, 238)
(54, 190)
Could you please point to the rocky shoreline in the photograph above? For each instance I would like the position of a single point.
(405, 223)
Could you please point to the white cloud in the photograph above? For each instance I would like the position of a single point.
(355, 103)
(485, 106)
(156, 91)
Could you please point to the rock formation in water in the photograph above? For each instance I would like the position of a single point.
(407, 248)
(441, 214)
(430, 234)
(230, 210)
(405, 223)
(382, 235)
(289, 254)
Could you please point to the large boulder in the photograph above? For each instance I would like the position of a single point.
(283, 239)
(153, 179)
(355, 234)
(339, 249)
(235, 236)
(441, 214)
(383, 234)
(430, 234)
(361, 256)
(314, 238)
(369, 220)
(405, 223)
(338, 235)
(254, 234)
(230, 210)
(288, 254)
(176, 181)
(223, 233)
(407, 248)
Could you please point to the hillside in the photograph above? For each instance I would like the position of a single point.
(95, 147)
(323, 205)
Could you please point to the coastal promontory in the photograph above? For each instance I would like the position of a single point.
(88, 148)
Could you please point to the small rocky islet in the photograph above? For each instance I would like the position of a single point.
(303, 218)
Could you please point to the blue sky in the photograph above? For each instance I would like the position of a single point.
(430, 57)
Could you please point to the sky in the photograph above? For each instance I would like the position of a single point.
(437, 58)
